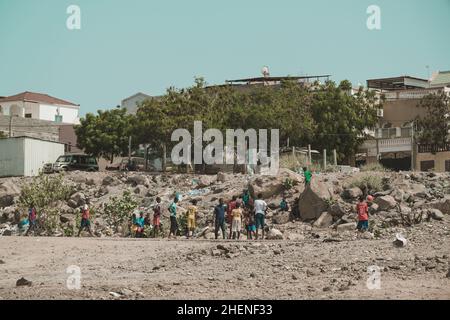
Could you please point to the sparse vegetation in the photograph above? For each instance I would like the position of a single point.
(374, 167)
(370, 182)
(46, 194)
(119, 210)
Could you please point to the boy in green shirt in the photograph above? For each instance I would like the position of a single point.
(308, 176)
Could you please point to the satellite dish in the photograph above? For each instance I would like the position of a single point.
(265, 71)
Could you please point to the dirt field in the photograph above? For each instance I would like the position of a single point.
(190, 269)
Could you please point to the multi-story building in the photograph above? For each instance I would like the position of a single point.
(40, 107)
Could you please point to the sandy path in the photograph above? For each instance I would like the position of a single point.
(161, 269)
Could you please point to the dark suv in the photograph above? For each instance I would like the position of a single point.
(75, 162)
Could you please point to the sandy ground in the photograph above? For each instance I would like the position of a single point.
(186, 269)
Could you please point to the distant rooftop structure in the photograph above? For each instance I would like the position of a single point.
(396, 83)
(277, 80)
(440, 79)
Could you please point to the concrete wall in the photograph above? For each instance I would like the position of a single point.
(439, 160)
(30, 127)
(38, 153)
(11, 157)
(398, 112)
(48, 112)
(131, 103)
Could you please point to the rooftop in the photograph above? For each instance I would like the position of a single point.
(440, 79)
(395, 83)
(37, 97)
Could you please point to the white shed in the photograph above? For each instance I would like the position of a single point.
(26, 156)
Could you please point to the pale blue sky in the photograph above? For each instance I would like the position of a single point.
(126, 46)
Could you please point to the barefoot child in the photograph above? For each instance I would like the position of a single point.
(85, 222)
(173, 218)
(362, 210)
(191, 215)
(237, 221)
(250, 225)
(31, 219)
(157, 217)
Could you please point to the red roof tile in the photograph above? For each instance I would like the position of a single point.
(37, 97)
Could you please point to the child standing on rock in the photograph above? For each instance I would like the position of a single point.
(362, 209)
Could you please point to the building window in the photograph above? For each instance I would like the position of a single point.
(426, 165)
(28, 115)
(447, 165)
(58, 119)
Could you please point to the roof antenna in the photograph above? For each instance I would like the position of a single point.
(265, 72)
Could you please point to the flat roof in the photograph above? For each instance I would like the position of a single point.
(395, 83)
(32, 138)
(265, 79)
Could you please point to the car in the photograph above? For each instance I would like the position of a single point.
(137, 164)
(72, 162)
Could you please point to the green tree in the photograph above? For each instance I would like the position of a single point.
(435, 126)
(106, 134)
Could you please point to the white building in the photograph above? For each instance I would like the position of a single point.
(40, 106)
(131, 103)
(24, 156)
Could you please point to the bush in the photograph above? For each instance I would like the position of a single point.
(47, 194)
(288, 184)
(370, 182)
(377, 167)
(119, 210)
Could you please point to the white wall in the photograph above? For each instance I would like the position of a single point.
(6, 107)
(48, 112)
(131, 103)
(11, 157)
(38, 153)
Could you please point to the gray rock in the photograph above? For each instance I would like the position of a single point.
(109, 181)
(77, 200)
(346, 227)
(281, 218)
(325, 220)
(353, 193)
(374, 208)
(275, 234)
(221, 177)
(23, 282)
(338, 209)
(385, 202)
(314, 200)
(436, 214)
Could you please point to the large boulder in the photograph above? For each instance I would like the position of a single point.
(436, 214)
(385, 203)
(442, 205)
(338, 209)
(346, 227)
(205, 181)
(221, 177)
(267, 186)
(8, 191)
(314, 200)
(325, 220)
(281, 218)
(138, 180)
(274, 234)
(352, 193)
(77, 200)
(110, 181)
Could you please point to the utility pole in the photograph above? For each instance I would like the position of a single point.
(335, 157)
(309, 155)
(10, 125)
(324, 159)
(129, 149)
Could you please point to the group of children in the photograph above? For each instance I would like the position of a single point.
(240, 210)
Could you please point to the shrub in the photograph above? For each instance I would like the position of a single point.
(377, 167)
(119, 210)
(47, 194)
(288, 184)
(370, 182)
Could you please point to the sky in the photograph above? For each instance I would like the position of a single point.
(130, 46)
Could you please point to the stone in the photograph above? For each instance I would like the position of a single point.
(352, 193)
(216, 253)
(8, 190)
(266, 186)
(325, 220)
(77, 200)
(67, 218)
(221, 177)
(109, 181)
(314, 200)
(275, 234)
(22, 282)
(346, 227)
(373, 208)
(205, 181)
(436, 214)
(138, 180)
(400, 241)
(442, 205)
(115, 294)
(281, 218)
(385, 203)
(338, 210)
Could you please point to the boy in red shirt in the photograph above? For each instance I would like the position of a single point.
(362, 209)
(85, 221)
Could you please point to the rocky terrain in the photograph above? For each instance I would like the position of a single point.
(311, 252)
